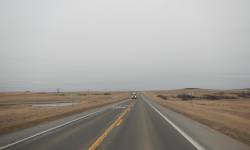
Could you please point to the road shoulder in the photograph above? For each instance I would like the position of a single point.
(22, 134)
(210, 139)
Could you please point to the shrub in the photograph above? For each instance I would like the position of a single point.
(186, 97)
(162, 97)
(107, 94)
(244, 94)
(216, 97)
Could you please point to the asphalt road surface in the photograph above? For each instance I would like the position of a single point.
(131, 125)
(144, 129)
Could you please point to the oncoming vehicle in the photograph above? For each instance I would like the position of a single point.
(133, 95)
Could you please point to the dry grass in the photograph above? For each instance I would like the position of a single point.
(229, 116)
(17, 112)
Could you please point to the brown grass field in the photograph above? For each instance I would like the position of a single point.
(17, 112)
(225, 111)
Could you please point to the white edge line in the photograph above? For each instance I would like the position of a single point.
(56, 127)
(48, 130)
(191, 140)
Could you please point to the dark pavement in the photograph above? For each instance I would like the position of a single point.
(145, 126)
(144, 129)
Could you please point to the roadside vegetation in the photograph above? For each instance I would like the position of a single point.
(225, 111)
(19, 110)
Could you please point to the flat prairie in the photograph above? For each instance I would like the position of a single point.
(226, 111)
(19, 110)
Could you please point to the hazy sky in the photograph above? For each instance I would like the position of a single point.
(124, 45)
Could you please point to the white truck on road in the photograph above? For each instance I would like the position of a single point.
(133, 95)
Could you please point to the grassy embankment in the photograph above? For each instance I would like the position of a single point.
(225, 111)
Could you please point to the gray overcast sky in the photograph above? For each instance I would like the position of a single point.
(124, 45)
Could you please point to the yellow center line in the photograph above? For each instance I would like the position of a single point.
(119, 123)
(116, 123)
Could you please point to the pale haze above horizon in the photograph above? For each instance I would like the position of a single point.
(124, 45)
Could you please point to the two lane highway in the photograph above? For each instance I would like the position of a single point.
(141, 128)
(138, 124)
(145, 129)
